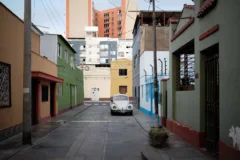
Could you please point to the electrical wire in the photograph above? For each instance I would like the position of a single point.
(149, 6)
(57, 13)
(118, 7)
(155, 5)
(52, 13)
(49, 15)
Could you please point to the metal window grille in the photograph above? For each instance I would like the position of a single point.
(5, 85)
(185, 72)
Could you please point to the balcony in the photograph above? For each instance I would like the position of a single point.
(42, 64)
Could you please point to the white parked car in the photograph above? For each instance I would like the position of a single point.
(120, 104)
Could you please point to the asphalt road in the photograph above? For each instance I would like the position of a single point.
(96, 135)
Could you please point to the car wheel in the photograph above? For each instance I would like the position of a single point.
(131, 113)
(112, 113)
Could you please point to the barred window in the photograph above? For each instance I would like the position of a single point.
(185, 72)
(5, 85)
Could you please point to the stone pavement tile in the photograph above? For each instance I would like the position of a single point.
(187, 152)
(41, 154)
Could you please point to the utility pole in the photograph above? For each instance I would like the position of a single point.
(155, 66)
(27, 98)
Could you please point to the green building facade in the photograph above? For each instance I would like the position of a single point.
(70, 92)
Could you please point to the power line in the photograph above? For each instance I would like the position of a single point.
(48, 15)
(57, 13)
(123, 12)
(149, 6)
(53, 14)
(155, 5)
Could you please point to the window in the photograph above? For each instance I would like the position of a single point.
(113, 53)
(66, 55)
(120, 54)
(185, 71)
(72, 61)
(59, 50)
(60, 89)
(5, 85)
(106, 60)
(44, 93)
(135, 61)
(147, 91)
(122, 72)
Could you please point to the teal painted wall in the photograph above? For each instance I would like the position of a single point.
(71, 76)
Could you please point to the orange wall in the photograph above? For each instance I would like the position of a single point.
(67, 18)
(11, 52)
(12, 46)
(101, 22)
(12, 49)
(124, 18)
(41, 64)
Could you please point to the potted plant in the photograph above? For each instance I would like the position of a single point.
(158, 137)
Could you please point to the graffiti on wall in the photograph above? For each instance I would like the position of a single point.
(234, 133)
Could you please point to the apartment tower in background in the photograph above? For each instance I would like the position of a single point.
(115, 22)
(79, 14)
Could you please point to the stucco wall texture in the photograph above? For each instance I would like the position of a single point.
(11, 30)
(188, 107)
(117, 80)
(72, 77)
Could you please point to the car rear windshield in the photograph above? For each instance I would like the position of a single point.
(120, 97)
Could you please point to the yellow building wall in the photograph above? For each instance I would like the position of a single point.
(117, 80)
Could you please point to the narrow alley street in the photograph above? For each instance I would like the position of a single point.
(93, 134)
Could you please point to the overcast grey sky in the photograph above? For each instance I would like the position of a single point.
(56, 23)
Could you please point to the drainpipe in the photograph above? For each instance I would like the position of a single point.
(161, 66)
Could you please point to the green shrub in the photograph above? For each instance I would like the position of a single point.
(158, 137)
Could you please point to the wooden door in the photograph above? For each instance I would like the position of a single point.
(123, 89)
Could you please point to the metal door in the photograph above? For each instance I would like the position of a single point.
(212, 102)
(95, 94)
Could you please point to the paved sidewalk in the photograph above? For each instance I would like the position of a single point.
(13, 145)
(177, 147)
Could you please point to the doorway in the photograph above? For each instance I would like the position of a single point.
(73, 95)
(138, 103)
(212, 99)
(34, 101)
(52, 93)
(95, 94)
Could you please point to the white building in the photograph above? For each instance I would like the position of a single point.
(95, 56)
(147, 80)
(125, 49)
